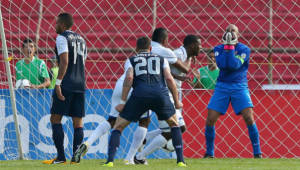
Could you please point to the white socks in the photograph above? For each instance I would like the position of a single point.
(158, 142)
(102, 128)
(137, 141)
(152, 134)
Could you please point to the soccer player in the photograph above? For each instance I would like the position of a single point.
(68, 96)
(105, 126)
(159, 47)
(147, 75)
(31, 67)
(206, 77)
(191, 48)
(232, 58)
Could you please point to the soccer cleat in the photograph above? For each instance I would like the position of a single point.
(73, 161)
(140, 161)
(127, 162)
(258, 156)
(108, 164)
(181, 164)
(81, 151)
(208, 156)
(54, 161)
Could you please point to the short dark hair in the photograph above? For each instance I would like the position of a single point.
(67, 19)
(159, 35)
(143, 43)
(190, 39)
(26, 41)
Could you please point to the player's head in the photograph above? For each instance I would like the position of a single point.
(143, 44)
(64, 22)
(160, 35)
(211, 57)
(28, 47)
(192, 44)
(232, 28)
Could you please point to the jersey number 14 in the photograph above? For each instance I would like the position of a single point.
(79, 49)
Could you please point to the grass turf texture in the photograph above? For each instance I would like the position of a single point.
(163, 164)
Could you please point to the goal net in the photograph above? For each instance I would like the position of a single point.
(111, 27)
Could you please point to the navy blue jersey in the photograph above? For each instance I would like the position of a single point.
(74, 44)
(149, 78)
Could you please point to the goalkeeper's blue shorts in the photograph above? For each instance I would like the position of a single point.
(237, 94)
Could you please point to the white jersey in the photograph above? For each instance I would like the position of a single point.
(164, 52)
(182, 55)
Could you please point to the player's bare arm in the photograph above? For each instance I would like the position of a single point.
(126, 88)
(43, 85)
(182, 66)
(172, 86)
(63, 65)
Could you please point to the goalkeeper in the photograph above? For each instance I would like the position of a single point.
(232, 58)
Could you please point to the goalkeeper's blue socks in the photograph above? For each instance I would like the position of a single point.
(210, 135)
(77, 139)
(177, 143)
(114, 143)
(254, 137)
(58, 138)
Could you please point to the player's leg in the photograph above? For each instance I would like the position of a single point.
(114, 140)
(133, 110)
(242, 104)
(217, 106)
(247, 114)
(138, 138)
(58, 109)
(176, 139)
(77, 112)
(212, 117)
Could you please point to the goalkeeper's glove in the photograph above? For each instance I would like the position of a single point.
(230, 38)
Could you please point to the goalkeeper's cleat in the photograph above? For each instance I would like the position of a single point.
(81, 151)
(258, 156)
(181, 164)
(128, 162)
(108, 164)
(54, 161)
(208, 156)
(140, 161)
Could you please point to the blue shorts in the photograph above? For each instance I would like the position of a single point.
(135, 107)
(239, 99)
(73, 105)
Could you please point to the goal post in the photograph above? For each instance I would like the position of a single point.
(11, 88)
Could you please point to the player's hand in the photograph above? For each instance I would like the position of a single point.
(120, 107)
(178, 105)
(229, 38)
(58, 93)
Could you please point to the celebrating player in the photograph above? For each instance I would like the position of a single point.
(232, 59)
(191, 48)
(105, 126)
(147, 75)
(68, 95)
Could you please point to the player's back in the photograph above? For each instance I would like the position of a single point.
(74, 79)
(149, 78)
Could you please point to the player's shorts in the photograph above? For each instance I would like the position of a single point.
(163, 125)
(115, 100)
(136, 106)
(239, 99)
(73, 105)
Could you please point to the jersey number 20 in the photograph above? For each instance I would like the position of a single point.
(142, 62)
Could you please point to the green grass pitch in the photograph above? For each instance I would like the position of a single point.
(164, 164)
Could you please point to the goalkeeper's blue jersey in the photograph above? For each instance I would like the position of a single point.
(233, 64)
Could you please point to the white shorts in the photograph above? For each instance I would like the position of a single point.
(163, 125)
(116, 98)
